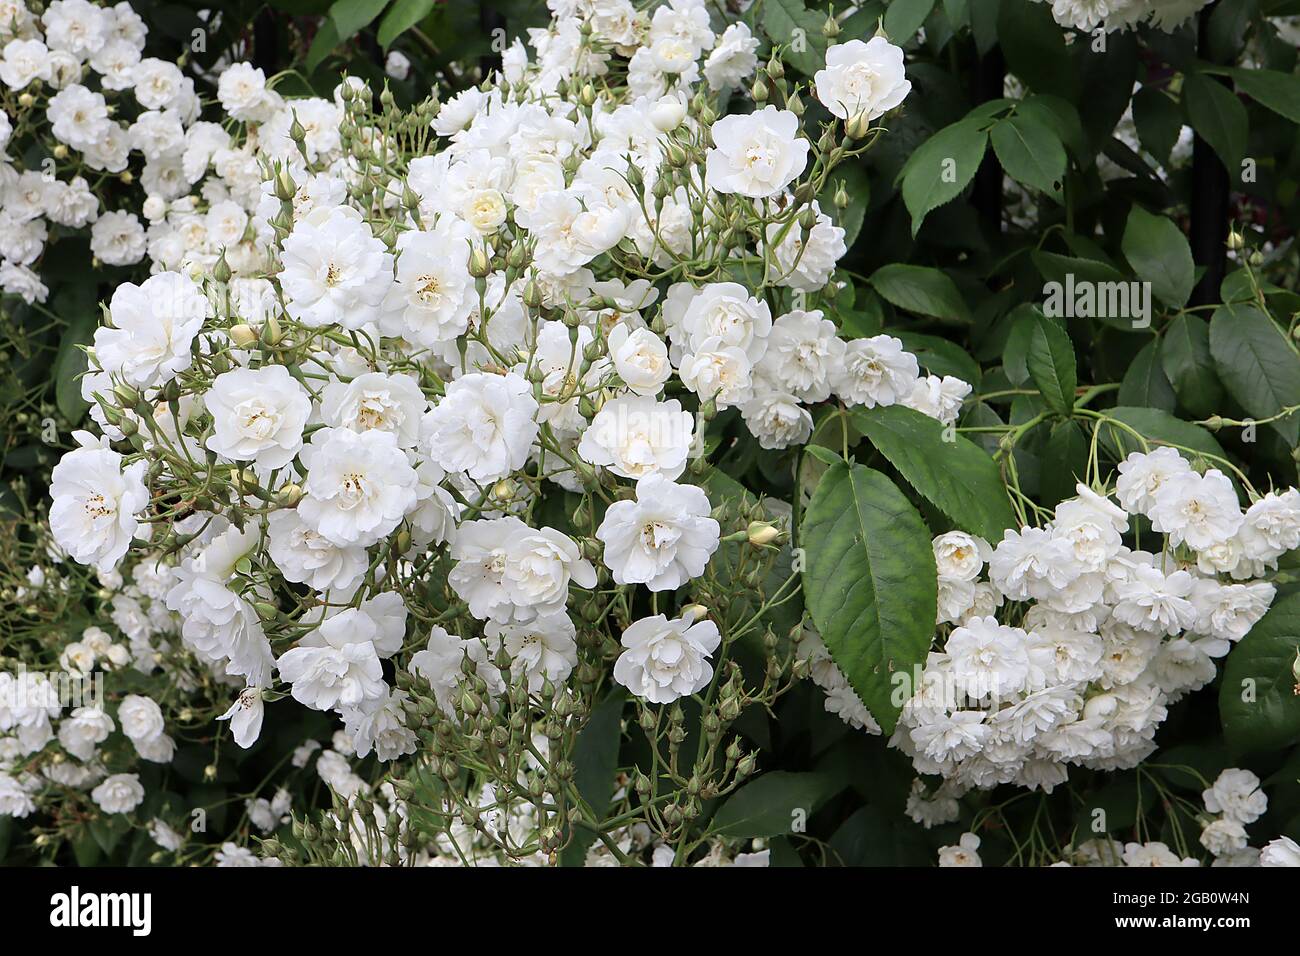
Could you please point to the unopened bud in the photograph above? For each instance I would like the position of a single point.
(243, 335)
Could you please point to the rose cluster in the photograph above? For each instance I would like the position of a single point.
(380, 344)
(1076, 644)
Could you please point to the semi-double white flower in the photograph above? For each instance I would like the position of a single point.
(662, 539)
(666, 659)
(257, 415)
(359, 485)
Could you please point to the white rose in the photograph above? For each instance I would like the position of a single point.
(258, 415)
(637, 436)
(359, 486)
(120, 793)
(663, 660)
(661, 540)
(756, 154)
(862, 78)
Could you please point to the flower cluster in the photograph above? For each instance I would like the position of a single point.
(1113, 15)
(1073, 648)
(416, 404)
(80, 97)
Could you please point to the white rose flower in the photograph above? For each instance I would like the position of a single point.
(543, 649)
(1281, 852)
(338, 664)
(664, 660)
(431, 300)
(81, 730)
(140, 718)
(93, 517)
(510, 572)
(154, 325)
(960, 556)
(807, 261)
(1237, 795)
(390, 403)
(733, 58)
(637, 436)
(120, 793)
(663, 539)
(720, 372)
(359, 486)
(776, 418)
(866, 79)
(305, 557)
(1201, 510)
(484, 425)
(1142, 475)
(245, 716)
(726, 312)
(802, 354)
(640, 358)
(756, 154)
(335, 271)
(242, 92)
(24, 60)
(397, 65)
(78, 117)
(258, 415)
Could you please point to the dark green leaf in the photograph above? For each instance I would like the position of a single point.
(1030, 152)
(1257, 365)
(1217, 115)
(920, 289)
(942, 167)
(1145, 382)
(1185, 358)
(870, 583)
(775, 803)
(948, 470)
(1050, 361)
(1158, 252)
(1257, 701)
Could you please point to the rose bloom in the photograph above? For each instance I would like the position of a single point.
(862, 78)
(757, 154)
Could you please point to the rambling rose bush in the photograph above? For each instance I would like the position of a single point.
(564, 470)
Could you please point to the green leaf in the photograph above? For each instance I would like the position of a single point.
(327, 38)
(904, 17)
(1217, 115)
(1035, 50)
(1278, 91)
(351, 16)
(920, 289)
(873, 836)
(75, 305)
(1158, 252)
(954, 474)
(942, 167)
(403, 15)
(771, 805)
(1158, 120)
(1185, 358)
(870, 582)
(1030, 152)
(1067, 451)
(1257, 365)
(781, 18)
(595, 762)
(1050, 360)
(1159, 428)
(940, 356)
(1257, 701)
(1145, 382)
